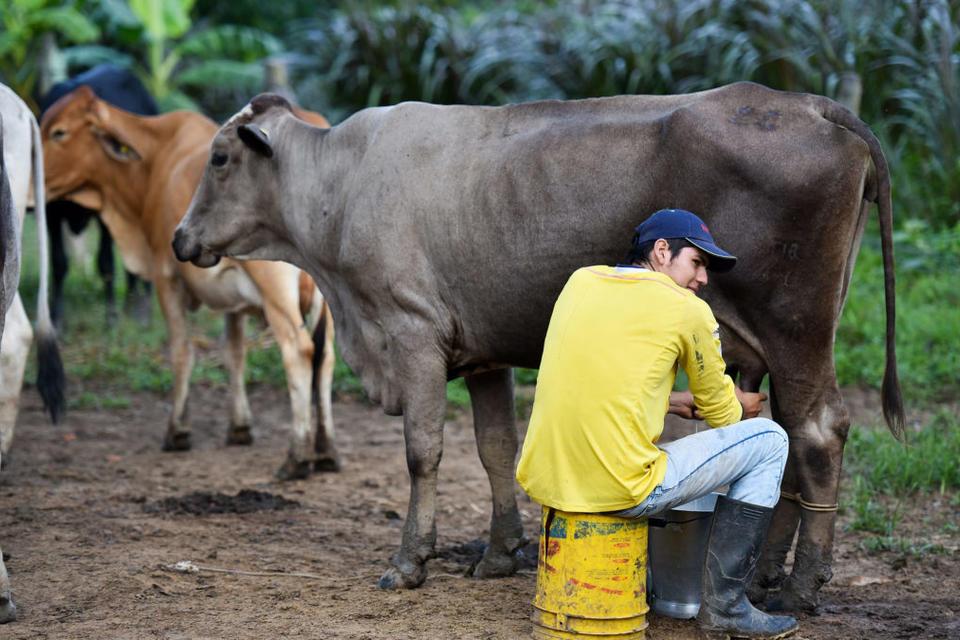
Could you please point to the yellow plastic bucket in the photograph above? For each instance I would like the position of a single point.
(591, 577)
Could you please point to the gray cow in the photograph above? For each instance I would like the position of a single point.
(443, 234)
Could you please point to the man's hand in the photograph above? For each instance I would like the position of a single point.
(681, 404)
(752, 403)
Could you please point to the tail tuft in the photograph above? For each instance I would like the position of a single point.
(51, 380)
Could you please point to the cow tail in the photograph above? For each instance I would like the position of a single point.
(891, 396)
(312, 307)
(51, 380)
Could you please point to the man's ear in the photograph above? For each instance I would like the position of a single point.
(256, 138)
(661, 251)
(113, 141)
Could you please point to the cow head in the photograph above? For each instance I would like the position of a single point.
(83, 146)
(235, 211)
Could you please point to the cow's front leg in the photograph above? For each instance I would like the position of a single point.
(239, 431)
(424, 407)
(8, 610)
(491, 395)
(171, 295)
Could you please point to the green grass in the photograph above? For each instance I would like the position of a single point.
(928, 314)
(930, 461)
(885, 475)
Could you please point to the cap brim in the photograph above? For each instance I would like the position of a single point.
(720, 260)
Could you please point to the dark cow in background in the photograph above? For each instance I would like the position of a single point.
(442, 235)
(121, 88)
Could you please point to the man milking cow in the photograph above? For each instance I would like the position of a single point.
(615, 339)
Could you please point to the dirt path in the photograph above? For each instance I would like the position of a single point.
(92, 511)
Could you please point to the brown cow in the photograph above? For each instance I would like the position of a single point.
(442, 236)
(140, 173)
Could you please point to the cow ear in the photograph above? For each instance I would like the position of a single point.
(115, 147)
(256, 138)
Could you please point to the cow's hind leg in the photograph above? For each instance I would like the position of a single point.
(8, 610)
(171, 296)
(14, 349)
(817, 423)
(424, 408)
(491, 395)
(239, 432)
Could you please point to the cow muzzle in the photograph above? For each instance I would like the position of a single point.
(187, 250)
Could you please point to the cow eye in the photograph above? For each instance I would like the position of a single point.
(218, 159)
(58, 134)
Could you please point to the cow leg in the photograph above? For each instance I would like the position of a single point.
(236, 354)
(327, 458)
(297, 351)
(8, 610)
(58, 260)
(786, 517)
(171, 296)
(105, 269)
(14, 349)
(817, 423)
(138, 301)
(424, 408)
(491, 395)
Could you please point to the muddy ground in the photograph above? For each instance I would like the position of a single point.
(92, 514)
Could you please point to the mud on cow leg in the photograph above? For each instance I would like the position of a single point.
(491, 395)
(424, 407)
(816, 455)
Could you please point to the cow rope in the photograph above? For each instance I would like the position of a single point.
(809, 506)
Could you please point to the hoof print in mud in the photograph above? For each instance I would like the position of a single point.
(177, 442)
(239, 436)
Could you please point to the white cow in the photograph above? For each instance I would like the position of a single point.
(19, 150)
(24, 163)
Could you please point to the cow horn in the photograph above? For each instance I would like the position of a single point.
(256, 138)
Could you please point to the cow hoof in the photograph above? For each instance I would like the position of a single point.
(394, 579)
(326, 464)
(240, 436)
(293, 470)
(788, 599)
(177, 441)
(8, 610)
(495, 565)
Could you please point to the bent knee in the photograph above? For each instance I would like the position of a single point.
(776, 432)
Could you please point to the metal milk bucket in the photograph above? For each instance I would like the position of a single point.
(677, 548)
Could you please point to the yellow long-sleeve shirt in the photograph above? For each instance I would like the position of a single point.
(609, 363)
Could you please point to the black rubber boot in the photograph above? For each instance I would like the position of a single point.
(736, 540)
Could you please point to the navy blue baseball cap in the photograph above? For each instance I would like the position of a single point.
(680, 223)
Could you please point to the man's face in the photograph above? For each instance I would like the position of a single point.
(688, 268)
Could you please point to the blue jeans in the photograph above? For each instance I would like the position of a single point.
(748, 456)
